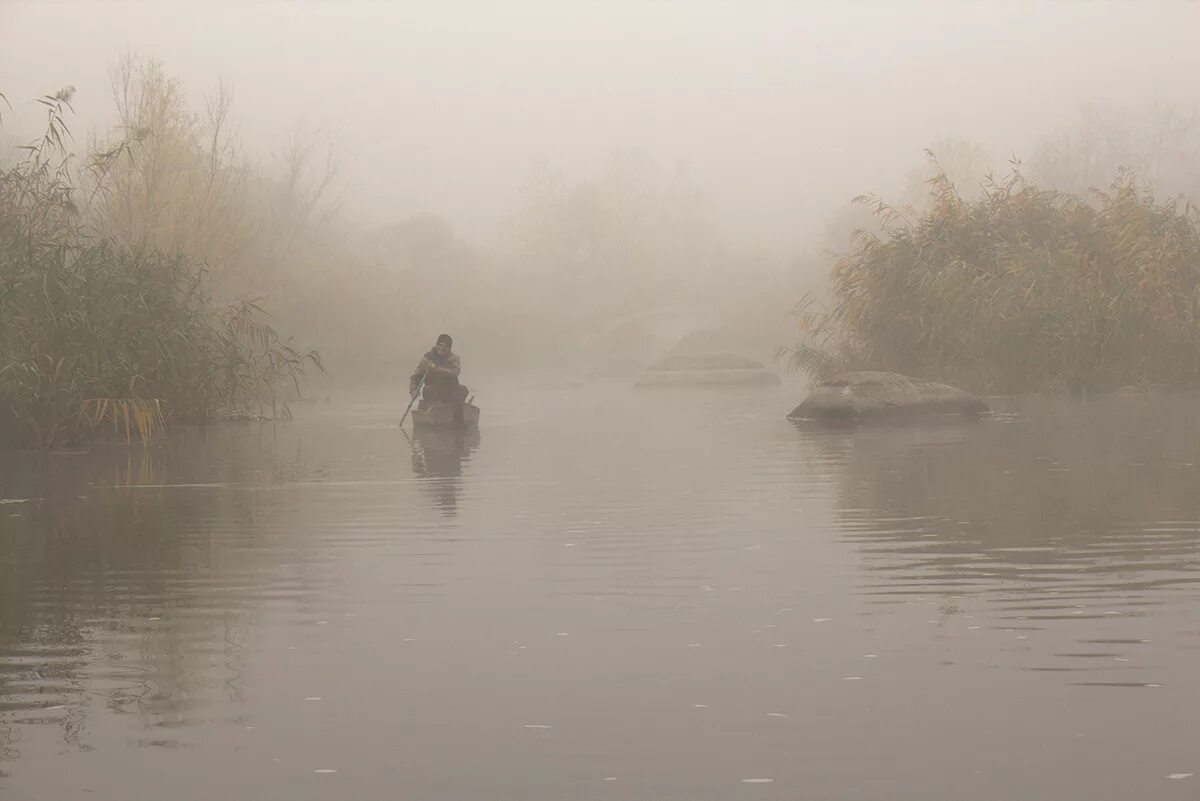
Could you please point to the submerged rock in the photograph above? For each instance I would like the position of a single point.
(877, 395)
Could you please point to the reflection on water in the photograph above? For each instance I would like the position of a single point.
(1079, 498)
(1084, 513)
(85, 574)
(622, 595)
(438, 454)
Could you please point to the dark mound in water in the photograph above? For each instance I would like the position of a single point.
(710, 369)
(706, 361)
(853, 397)
(701, 359)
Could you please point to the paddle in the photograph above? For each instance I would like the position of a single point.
(414, 398)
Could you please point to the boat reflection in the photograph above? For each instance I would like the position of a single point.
(439, 454)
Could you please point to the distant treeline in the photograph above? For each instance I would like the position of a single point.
(1018, 289)
(136, 276)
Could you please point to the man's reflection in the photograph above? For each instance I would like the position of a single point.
(439, 455)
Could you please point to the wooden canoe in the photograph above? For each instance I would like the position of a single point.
(447, 415)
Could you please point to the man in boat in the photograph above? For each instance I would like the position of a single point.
(440, 369)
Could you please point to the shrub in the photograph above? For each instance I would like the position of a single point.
(1021, 290)
(91, 331)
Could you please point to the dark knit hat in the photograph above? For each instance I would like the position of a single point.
(445, 338)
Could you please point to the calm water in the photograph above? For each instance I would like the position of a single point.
(610, 595)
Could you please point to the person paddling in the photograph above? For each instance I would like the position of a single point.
(439, 368)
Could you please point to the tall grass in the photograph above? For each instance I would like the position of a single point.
(93, 332)
(1023, 289)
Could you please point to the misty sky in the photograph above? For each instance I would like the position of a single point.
(778, 111)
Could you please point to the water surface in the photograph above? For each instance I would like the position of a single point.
(607, 594)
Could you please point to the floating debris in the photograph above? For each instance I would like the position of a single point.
(851, 678)
(700, 706)
(757, 781)
(325, 770)
(610, 778)
(776, 714)
(870, 656)
(821, 619)
(537, 726)
(313, 698)
(1180, 775)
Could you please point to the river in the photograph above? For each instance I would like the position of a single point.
(609, 594)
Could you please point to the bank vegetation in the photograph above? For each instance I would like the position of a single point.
(108, 324)
(1017, 289)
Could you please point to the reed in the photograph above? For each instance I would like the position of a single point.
(1020, 290)
(99, 337)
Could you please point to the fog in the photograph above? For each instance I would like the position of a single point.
(265, 533)
(778, 111)
(483, 166)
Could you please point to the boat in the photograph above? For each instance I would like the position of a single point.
(447, 415)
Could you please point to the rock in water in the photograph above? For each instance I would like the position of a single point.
(853, 397)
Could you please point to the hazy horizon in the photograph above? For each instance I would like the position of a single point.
(726, 489)
(779, 113)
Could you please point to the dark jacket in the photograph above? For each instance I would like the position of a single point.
(450, 367)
